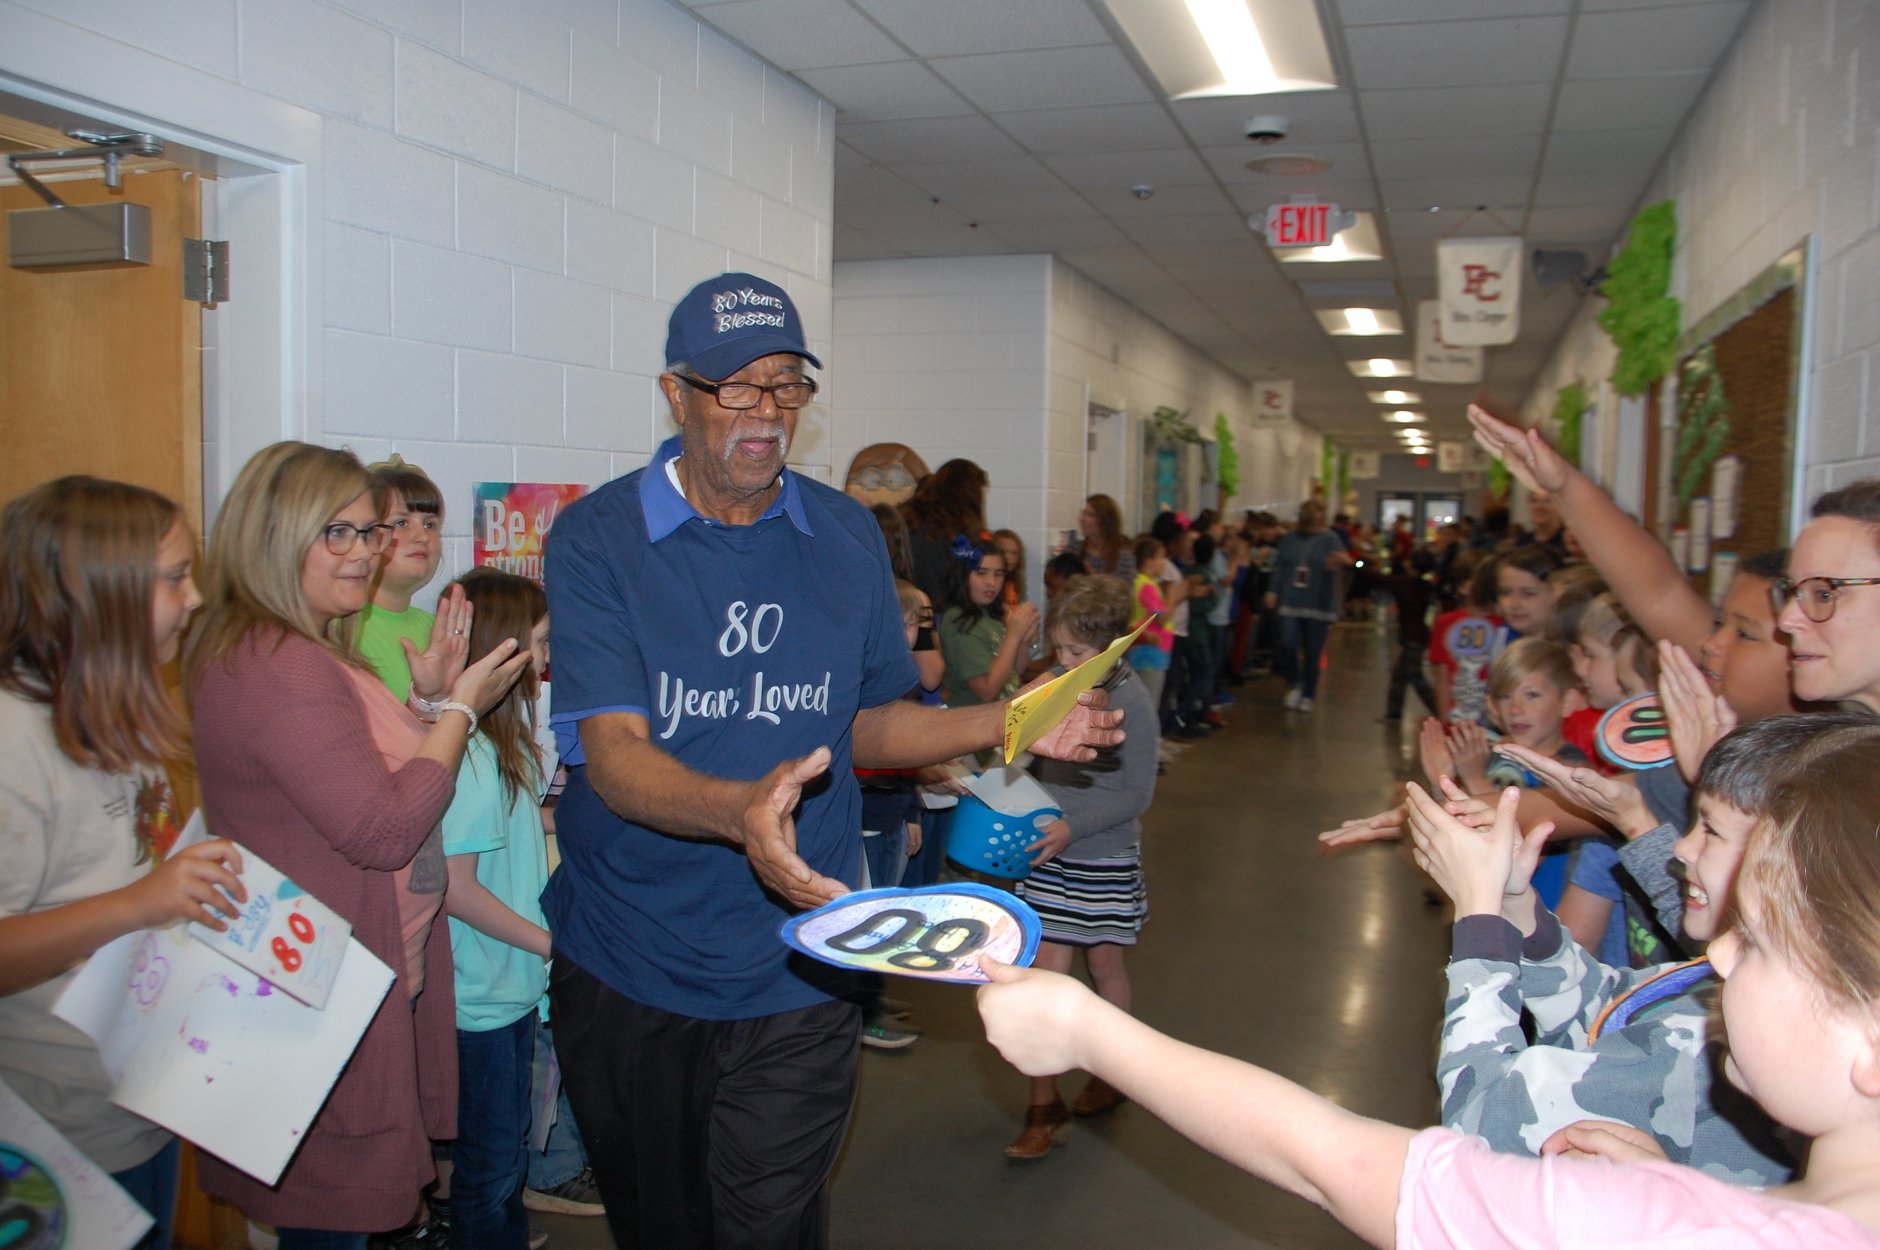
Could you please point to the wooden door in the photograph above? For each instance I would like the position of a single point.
(101, 367)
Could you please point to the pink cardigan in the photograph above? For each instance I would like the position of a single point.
(289, 768)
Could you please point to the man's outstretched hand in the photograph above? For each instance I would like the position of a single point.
(770, 833)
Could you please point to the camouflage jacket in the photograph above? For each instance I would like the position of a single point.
(1655, 1073)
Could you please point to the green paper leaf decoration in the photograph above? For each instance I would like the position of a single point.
(1641, 318)
(1569, 410)
(1228, 460)
(1703, 422)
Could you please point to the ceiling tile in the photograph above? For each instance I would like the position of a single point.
(1441, 54)
(1508, 109)
(1348, 160)
(853, 244)
(1212, 229)
(1371, 12)
(964, 241)
(802, 34)
(1052, 234)
(929, 139)
(848, 158)
(952, 27)
(1653, 41)
(1099, 171)
(1002, 174)
(885, 91)
(1620, 103)
(877, 193)
(1180, 201)
(1601, 224)
(1256, 197)
(1455, 157)
(1593, 150)
(1315, 117)
(1589, 188)
(1054, 78)
(1005, 205)
(1099, 128)
(1499, 192)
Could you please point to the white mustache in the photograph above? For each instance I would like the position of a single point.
(776, 432)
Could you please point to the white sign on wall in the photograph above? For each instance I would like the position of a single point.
(1450, 457)
(1478, 282)
(1439, 361)
(1272, 402)
(1364, 465)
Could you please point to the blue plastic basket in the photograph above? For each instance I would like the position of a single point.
(994, 842)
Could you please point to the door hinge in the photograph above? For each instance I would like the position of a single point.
(205, 271)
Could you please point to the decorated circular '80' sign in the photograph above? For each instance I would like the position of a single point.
(939, 933)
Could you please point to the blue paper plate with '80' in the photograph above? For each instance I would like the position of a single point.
(937, 933)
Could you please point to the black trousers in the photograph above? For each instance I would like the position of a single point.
(706, 1133)
(1408, 671)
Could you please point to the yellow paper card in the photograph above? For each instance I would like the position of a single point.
(1036, 713)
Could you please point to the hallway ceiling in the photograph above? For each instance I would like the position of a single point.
(974, 127)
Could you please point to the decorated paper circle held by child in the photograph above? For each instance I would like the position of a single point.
(1471, 639)
(35, 1215)
(938, 932)
(1634, 734)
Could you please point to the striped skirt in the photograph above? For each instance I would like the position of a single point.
(1090, 901)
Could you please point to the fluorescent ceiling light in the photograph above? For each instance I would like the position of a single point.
(1393, 397)
(1359, 321)
(1381, 368)
(1358, 241)
(1403, 416)
(1413, 436)
(1228, 47)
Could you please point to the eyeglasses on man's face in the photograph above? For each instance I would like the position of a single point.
(1815, 596)
(341, 537)
(738, 396)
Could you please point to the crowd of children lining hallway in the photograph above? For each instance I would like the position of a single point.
(1580, 1070)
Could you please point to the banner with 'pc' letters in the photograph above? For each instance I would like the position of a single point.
(1478, 282)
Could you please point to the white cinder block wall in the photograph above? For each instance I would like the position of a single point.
(948, 356)
(1784, 143)
(511, 196)
(996, 359)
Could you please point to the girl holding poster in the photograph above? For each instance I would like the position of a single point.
(308, 760)
(95, 590)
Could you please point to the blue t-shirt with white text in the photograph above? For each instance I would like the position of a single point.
(742, 646)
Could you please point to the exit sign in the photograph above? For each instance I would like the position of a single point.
(1301, 223)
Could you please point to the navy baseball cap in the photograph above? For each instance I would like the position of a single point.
(725, 323)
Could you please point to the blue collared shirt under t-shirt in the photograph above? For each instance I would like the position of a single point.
(742, 646)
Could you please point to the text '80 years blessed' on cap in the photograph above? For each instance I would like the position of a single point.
(725, 323)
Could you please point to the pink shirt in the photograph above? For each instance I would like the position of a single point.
(1456, 1192)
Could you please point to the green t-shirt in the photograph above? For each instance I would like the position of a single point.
(497, 984)
(969, 653)
(379, 632)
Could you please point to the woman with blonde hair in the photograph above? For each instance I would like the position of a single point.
(307, 759)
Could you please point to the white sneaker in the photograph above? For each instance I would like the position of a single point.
(1305, 705)
(1291, 700)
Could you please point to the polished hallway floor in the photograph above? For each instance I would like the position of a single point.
(1326, 970)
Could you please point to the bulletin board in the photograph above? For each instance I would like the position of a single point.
(1724, 462)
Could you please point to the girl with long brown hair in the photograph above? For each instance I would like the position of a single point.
(95, 592)
(497, 858)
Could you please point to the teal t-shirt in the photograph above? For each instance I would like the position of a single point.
(379, 632)
(497, 984)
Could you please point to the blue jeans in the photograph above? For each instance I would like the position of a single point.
(319, 1239)
(562, 1157)
(886, 853)
(1298, 633)
(490, 1157)
(152, 1184)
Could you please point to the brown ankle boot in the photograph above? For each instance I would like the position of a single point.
(1098, 1097)
(1045, 1127)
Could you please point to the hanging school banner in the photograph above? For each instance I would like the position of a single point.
(1437, 359)
(1272, 402)
(1478, 283)
(511, 521)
